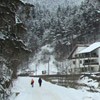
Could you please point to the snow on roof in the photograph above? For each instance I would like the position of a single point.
(90, 48)
(2, 36)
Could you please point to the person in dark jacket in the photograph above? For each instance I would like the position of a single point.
(40, 82)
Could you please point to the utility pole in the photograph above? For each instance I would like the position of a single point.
(36, 69)
(48, 65)
(27, 62)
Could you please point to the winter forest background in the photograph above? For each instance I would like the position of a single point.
(26, 27)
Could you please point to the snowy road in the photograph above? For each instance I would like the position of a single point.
(37, 94)
(48, 91)
(27, 92)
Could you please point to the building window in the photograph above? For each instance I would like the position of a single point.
(76, 56)
(84, 69)
(80, 61)
(74, 62)
(92, 69)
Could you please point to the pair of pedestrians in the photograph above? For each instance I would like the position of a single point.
(39, 81)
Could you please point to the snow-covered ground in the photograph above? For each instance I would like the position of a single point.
(48, 91)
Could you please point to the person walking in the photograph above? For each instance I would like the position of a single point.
(32, 82)
(40, 82)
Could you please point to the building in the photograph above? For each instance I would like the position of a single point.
(85, 58)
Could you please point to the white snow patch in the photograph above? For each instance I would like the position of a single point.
(2, 36)
(89, 82)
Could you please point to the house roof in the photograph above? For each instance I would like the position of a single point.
(75, 47)
(90, 48)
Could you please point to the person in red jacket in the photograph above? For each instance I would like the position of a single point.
(32, 82)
